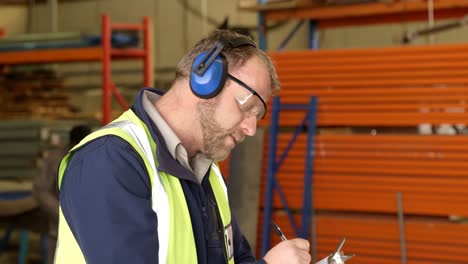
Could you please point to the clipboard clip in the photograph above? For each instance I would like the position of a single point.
(338, 257)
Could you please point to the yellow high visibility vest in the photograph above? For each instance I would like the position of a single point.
(175, 234)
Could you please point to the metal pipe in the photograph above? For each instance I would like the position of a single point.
(410, 36)
(401, 225)
(430, 17)
(290, 35)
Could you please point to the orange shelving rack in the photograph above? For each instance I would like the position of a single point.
(104, 53)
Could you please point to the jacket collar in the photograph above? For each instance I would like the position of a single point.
(166, 162)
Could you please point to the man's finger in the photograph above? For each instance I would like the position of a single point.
(301, 243)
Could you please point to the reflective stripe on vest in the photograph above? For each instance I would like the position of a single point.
(175, 234)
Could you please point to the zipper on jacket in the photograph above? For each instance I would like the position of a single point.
(220, 230)
(202, 198)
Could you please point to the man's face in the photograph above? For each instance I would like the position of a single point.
(233, 114)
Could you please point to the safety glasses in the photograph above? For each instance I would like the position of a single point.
(249, 103)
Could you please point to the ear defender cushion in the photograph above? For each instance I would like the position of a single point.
(212, 81)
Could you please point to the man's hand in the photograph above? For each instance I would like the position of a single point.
(294, 251)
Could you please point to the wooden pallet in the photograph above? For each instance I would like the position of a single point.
(37, 94)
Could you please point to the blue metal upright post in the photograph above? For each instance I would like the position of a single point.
(307, 203)
(4, 242)
(313, 35)
(261, 29)
(24, 246)
(271, 170)
(313, 44)
(262, 40)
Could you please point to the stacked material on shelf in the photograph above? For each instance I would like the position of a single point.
(34, 94)
(253, 5)
(62, 40)
(24, 142)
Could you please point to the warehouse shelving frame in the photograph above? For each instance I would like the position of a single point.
(356, 14)
(274, 165)
(327, 17)
(105, 54)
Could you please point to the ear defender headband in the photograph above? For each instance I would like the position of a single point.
(209, 69)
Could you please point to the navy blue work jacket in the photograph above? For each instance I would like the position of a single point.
(106, 198)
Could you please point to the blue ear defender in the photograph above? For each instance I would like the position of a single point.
(209, 69)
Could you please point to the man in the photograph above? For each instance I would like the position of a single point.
(146, 188)
(45, 184)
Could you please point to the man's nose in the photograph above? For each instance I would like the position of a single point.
(249, 126)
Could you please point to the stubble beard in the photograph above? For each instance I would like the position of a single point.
(213, 134)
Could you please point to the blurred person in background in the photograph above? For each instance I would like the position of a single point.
(45, 185)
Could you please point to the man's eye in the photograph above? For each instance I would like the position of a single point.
(250, 104)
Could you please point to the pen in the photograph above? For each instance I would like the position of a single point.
(278, 231)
